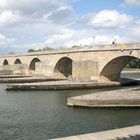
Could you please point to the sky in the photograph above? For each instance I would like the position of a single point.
(26, 24)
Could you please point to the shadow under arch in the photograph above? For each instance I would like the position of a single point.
(32, 63)
(17, 61)
(64, 66)
(5, 62)
(112, 70)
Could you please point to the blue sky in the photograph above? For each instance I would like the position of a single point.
(84, 7)
(36, 24)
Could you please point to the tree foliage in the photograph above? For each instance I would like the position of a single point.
(31, 50)
(135, 63)
(47, 49)
(75, 46)
(43, 49)
(11, 53)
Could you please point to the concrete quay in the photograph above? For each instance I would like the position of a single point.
(63, 84)
(34, 83)
(14, 76)
(115, 98)
(131, 133)
(28, 80)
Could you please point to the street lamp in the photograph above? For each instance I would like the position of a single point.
(94, 41)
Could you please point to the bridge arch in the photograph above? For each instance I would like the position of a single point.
(5, 62)
(32, 63)
(64, 66)
(112, 70)
(17, 61)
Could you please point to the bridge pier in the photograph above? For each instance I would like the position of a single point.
(85, 70)
(108, 78)
(20, 69)
(44, 68)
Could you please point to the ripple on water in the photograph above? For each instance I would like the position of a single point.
(33, 115)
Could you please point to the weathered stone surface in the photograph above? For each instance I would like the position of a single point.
(104, 63)
(132, 133)
(20, 69)
(26, 79)
(85, 69)
(13, 76)
(65, 84)
(115, 98)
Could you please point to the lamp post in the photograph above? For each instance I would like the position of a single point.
(94, 41)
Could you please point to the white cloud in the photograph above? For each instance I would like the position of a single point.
(61, 16)
(58, 38)
(68, 38)
(108, 25)
(24, 12)
(33, 7)
(133, 33)
(8, 17)
(4, 41)
(110, 19)
(31, 45)
(36, 23)
(131, 3)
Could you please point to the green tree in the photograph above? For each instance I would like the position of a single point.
(47, 49)
(31, 50)
(75, 46)
(11, 53)
(135, 63)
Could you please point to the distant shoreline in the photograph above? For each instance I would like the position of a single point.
(131, 71)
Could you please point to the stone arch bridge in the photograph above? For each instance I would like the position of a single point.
(101, 63)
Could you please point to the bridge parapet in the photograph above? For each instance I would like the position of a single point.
(113, 47)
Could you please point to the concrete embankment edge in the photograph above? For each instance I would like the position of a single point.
(13, 76)
(31, 83)
(27, 80)
(115, 98)
(122, 133)
(53, 85)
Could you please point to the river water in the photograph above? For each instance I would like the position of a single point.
(41, 115)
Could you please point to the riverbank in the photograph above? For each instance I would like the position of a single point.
(131, 133)
(115, 98)
(61, 84)
(131, 70)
